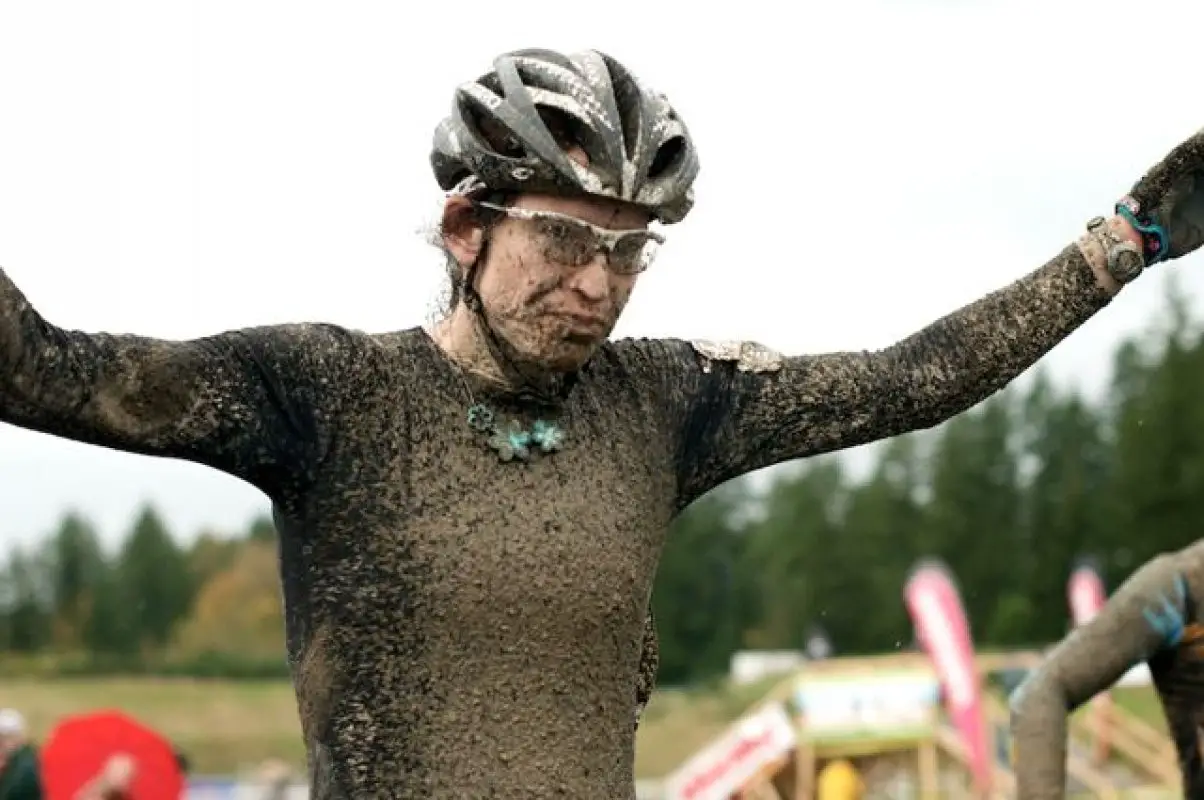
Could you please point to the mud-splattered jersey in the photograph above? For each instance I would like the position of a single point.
(459, 626)
(1152, 618)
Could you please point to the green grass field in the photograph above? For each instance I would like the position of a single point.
(230, 727)
(224, 727)
(1141, 703)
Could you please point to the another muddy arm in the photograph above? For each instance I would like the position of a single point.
(1146, 616)
(741, 408)
(248, 402)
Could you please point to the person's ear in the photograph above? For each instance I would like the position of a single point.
(463, 234)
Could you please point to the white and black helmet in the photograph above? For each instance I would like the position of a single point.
(508, 129)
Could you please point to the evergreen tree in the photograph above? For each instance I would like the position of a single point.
(76, 566)
(25, 598)
(154, 576)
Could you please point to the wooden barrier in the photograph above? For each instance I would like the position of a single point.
(1149, 750)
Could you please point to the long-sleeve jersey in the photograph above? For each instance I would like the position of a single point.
(459, 626)
(1154, 617)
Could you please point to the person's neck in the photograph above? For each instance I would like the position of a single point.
(461, 340)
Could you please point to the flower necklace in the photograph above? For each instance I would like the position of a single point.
(511, 440)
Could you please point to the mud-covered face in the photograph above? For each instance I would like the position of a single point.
(554, 289)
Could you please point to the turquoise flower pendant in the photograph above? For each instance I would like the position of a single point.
(512, 442)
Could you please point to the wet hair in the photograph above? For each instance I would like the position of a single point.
(453, 289)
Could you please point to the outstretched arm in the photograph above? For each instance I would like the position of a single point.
(253, 403)
(741, 409)
(1147, 616)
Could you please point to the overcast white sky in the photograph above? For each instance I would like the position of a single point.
(176, 168)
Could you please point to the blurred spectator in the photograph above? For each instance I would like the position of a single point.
(19, 778)
(275, 777)
(839, 780)
(182, 761)
(113, 782)
(819, 645)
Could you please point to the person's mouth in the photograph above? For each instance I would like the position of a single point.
(581, 330)
(583, 323)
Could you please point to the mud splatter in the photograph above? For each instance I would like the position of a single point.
(462, 627)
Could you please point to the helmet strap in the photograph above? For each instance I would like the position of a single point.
(528, 381)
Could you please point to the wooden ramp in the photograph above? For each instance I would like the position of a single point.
(1141, 750)
(1083, 777)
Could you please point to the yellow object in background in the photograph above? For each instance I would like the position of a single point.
(839, 780)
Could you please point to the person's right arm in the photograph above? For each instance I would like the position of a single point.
(254, 403)
(1146, 616)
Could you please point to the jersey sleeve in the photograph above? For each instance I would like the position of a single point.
(740, 407)
(1146, 617)
(258, 403)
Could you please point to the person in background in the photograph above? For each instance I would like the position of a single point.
(839, 780)
(113, 782)
(275, 777)
(19, 774)
(1156, 617)
(182, 761)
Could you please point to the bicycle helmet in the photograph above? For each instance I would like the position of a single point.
(509, 130)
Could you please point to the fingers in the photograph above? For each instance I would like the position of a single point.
(1186, 157)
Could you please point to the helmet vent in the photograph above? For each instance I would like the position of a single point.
(668, 157)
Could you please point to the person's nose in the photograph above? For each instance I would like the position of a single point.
(592, 280)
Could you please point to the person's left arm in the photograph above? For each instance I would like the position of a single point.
(743, 407)
(738, 409)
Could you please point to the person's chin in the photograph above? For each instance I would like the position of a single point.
(571, 355)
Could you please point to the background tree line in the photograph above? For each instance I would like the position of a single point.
(1011, 494)
(212, 608)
